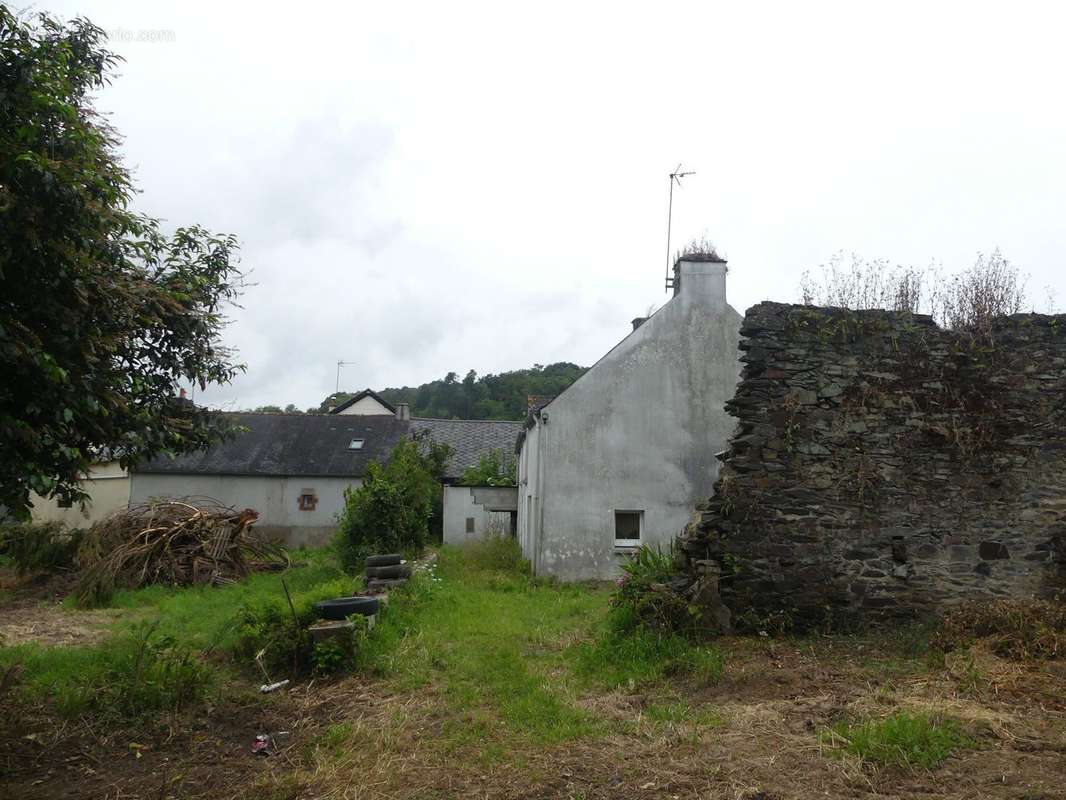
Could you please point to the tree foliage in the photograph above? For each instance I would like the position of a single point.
(499, 396)
(392, 510)
(495, 468)
(101, 312)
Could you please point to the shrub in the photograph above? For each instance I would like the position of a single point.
(1014, 629)
(494, 468)
(644, 595)
(392, 509)
(40, 547)
(905, 740)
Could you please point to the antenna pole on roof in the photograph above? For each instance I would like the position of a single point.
(339, 365)
(675, 177)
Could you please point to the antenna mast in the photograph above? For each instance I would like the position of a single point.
(339, 365)
(675, 177)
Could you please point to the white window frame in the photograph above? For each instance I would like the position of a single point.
(628, 543)
(356, 444)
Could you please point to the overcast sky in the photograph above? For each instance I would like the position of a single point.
(428, 187)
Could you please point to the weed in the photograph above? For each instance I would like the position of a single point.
(499, 552)
(1013, 629)
(903, 739)
(628, 654)
(40, 547)
(135, 674)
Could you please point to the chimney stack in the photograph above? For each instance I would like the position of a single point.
(700, 278)
(638, 321)
(403, 411)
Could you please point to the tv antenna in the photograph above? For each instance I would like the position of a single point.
(675, 177)
(339, 365)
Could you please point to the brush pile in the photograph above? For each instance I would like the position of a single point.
(174, 543)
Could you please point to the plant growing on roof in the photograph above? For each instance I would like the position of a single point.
(495, 468)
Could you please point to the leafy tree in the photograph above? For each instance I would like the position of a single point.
(494, 468)
(267, 409)
(392, 510)
(501, 396)
(101, 313)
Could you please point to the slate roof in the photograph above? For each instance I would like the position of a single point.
(292, 444)
(469, 439)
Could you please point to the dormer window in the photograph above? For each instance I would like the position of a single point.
(356, 444)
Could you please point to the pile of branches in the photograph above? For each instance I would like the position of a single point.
(171, 542)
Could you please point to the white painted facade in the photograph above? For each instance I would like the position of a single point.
(108, 487)
(472, 512)
(637, 433)
(276, 498)
(366, 406)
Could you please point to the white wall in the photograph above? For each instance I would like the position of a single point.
(638, 431)
(275, 498)
(366, 406)
(108, 486)
(485, 505)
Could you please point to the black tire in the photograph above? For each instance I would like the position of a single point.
(343, 607)
(391, 571)
(384, 561)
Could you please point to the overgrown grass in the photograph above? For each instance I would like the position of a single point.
(489, 640)
(628, 654)
(139, 672)
(903, 739)
(198, 635)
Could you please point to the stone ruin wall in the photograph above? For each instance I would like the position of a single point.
(883, 467)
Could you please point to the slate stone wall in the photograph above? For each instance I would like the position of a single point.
(883, 467)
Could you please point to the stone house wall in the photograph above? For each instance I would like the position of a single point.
(885, 467)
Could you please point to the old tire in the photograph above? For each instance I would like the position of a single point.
(344, 607)
(391, 571)
(384, 561)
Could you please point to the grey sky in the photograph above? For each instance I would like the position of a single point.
(425, 187)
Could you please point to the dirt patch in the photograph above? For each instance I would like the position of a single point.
(31, 611)
(53, 625)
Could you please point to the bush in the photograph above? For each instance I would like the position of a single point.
(1014, 629)
(494, 468)
(905, 740)
(40, 547)
(391, 511)
(644, 595)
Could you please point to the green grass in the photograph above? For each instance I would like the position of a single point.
(195, 632)
(903, 739)
(489, 640)
(510, 655)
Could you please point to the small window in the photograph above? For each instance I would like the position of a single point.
(308, 500)
(356, 444)
(469, 524)
(65, 502)
(628, 527)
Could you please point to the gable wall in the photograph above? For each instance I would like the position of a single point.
(638, 431)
